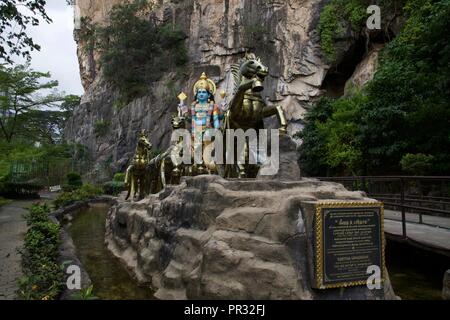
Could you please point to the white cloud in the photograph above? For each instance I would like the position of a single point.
(58, 48)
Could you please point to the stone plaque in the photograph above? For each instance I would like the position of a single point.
(349, 237)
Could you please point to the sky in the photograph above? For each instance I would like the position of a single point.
(58, 48)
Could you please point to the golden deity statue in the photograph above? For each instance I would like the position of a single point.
(204, 114)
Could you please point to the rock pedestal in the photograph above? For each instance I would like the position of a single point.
(211, 238)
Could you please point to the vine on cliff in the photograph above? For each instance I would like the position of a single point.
(338, 16)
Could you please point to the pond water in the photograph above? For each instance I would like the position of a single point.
(415, 274)
(110, 279)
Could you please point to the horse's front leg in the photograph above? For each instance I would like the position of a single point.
(128, 182)
(278, 110)
(242, 166)
(236, 101)
(141, 188)
(134, 185)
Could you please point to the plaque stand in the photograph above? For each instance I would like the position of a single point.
(346, 238)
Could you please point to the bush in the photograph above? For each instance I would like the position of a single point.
(340, 16)
(136, 50)
(417, 164)
(113, 188)
(86, 192)
(403, 110)
(21, 189)
(43, 277)
(101, 128)
(85, 294)
(336, 16)
(119, 177)
(74, 180)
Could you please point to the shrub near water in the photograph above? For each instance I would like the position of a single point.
(116, 186)
(43, 277)
(73, 182)
(86, 192)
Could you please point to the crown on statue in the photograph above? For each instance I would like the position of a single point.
(205, 83)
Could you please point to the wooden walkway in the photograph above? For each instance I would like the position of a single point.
(433, 234)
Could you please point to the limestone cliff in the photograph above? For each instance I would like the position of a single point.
(283, 33)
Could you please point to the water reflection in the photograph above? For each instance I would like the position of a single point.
(415, 274)
(110, 279)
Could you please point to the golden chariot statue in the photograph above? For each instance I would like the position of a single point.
(246, 110)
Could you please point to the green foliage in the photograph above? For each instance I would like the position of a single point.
(85, 294)
(135, 50)
(341, 16)
(116, 186)
(14, 41)
(329, 29)
(87, 34)
(335, 18)
(403, 110)
(74, 180)
(69, 104)
(113, 188)
(20, 189)
(313, 149)
(408, 98)
(46, 126)
(101, 127)
(86, 192)
(119, 177)
(4, 201)
(417, 164)
(43, 277)
(22, 161)
(21, 93)
(343, 146)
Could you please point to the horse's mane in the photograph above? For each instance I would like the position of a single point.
(236, 69)
(237, 76)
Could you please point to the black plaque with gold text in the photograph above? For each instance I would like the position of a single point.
(349, 238)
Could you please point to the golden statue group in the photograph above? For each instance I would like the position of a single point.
(246, 110)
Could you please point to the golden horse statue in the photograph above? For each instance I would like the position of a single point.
(247, 109)
(137, 180)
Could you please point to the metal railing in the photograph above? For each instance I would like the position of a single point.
(405, 193)
(47, 172)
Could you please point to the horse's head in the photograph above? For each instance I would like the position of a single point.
(252, 68)
(143, 142)
(178, 122)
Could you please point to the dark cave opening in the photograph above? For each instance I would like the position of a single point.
(336, 78)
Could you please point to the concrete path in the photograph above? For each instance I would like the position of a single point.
(12, 231)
